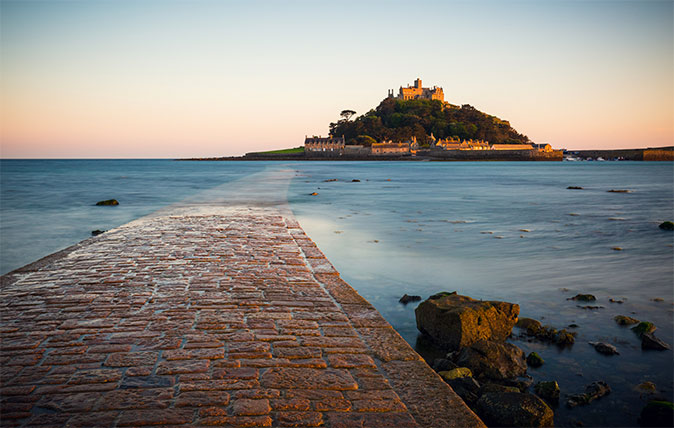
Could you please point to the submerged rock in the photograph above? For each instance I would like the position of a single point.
(534, 360)
(548, 390)
(355, 180)
(407, 299)
(619, 191)
(330, 180)
(644, 327)
(97, 232)
(592, 392)
(443, 364)
(467, 388)
(107, 202)
(514, 409)
(625, 320)
(649, 341)
(493, 360)
(583, 298)
(667, 225)
(575, 188)
(531, 326)
(454, 321)
(456, 373)
(657, 414)
(313, 194)
(604, 348)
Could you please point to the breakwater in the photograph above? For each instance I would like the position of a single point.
(216, 311)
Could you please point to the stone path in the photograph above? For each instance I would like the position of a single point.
(218, 313)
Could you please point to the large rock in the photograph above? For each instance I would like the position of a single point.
(493, 360)
(514, 409)
(467, 388)
(649, 341)
(455, 321)
(657, 414)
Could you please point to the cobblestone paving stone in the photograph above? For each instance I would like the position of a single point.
(228, 317)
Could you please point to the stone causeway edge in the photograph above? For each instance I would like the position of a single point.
(428, 399)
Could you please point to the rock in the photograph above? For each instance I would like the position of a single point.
(619, 191)
(443, 364)
(604, 348)
(514, 409)
(454, 321)
(313, 194)
(97, 232)
(530, 325)
(534, 360)
(668, 225)
(355, 181)
(456, 373)
(407, 298)
(625, 320)
(575, 188)
(657, 414)
(657, 299)
(644, 327)
(592, 392)
(548, 390)
(522, 383)
(563, 337)
(467, 388)
(330, 180)
(495, 387)
(107, 202)
(646, 386)
(617, 248)
(493, 360)
(649, 341)
(583, 298)
(590, 307)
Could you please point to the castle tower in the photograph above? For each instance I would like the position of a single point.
(417, 83)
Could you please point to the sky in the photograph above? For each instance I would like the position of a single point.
(168, 79)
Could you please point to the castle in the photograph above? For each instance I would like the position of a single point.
(418, 92)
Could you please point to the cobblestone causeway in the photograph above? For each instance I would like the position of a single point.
(208, 315)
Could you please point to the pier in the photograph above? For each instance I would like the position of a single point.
(216, 311)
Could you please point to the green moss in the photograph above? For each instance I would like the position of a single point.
(644, 327)
(534, 360)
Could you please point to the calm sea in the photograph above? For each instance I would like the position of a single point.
(499, 231)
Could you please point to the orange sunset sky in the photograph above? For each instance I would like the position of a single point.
(166, 79)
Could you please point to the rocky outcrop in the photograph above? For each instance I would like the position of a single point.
(407, 299)
(454, 321)
(604, 348)
(649, 341)
(583, 298)
(644, 327)
(533, 328)
(657, 414)
(592, 392)
(548, 390)
(667, 225)
(625, 320)
(534, 360)
(493, 360)
(107, 202)
(514, 409)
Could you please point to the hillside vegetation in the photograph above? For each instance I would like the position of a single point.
(398, 120)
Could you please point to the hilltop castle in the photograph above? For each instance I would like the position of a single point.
(416, 91)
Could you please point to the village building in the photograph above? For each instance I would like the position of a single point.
(455, 143)
(330, 144)
(511, 147)
(546, 148)
(390, 148)
(419, 92)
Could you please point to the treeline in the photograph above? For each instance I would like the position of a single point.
(399, 120)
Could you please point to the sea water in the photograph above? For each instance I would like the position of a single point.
(489, 230)
(513, 232)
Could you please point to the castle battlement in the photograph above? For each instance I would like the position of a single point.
(418, 92)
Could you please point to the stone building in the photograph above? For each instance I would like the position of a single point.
(330, 144)
(547, 148)
(511, 147)
(418, 92)
(455, 143)
(390, 148)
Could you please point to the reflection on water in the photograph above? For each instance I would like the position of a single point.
(513, 232)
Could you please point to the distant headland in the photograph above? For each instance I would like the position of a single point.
(418, 124)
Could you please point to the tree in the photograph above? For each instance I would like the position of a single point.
(346, 114)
